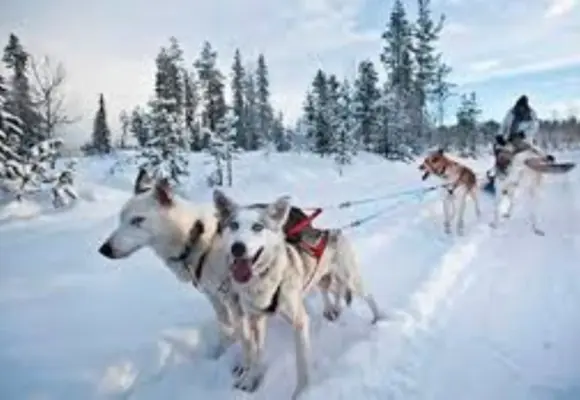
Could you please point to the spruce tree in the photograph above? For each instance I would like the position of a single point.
(212, 88)
(190, 106)
(101, 138)
(322, 129)
(251, 111)
(264, 108)
(242, 140)
(366, 99)
(344, 143)
(19, 101)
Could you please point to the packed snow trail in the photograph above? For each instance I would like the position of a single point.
(490, 315)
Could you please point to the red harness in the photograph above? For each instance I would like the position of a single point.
(317, 250)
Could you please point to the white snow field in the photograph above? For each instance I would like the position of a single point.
(491, 315)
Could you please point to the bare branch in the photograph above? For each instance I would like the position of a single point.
(49, 80)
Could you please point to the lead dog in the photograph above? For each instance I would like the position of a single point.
(460, 181)
(183, 235)
(272, 276)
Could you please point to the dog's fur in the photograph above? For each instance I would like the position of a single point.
(460, 182)
(516, 166)
(183, 235)
(272, 276)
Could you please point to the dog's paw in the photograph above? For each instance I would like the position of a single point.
(493, 225)
(331, 314)
(238, 370)
(250, 381)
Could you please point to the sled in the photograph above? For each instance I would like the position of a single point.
(547, 167)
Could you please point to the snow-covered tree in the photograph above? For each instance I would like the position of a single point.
(101, 137)
(212, 89)
(139, 126)
(366, 99)
(125, 127)
(222, 148)
(467, 125)
(344, 128)
(238, 106)
(190, 106)
(251, 111)
(19, 99)
(264, 111)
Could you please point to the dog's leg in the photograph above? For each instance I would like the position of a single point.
(254, 339)
(534, 186)
(301, 327)
(473, 193)
(226, 327)
(447, 204)
(497, 204)
(461, 211)
(330, 311)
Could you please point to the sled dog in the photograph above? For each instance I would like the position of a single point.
(272, 276)
(519, 164)
(183, 235)
(460, 182)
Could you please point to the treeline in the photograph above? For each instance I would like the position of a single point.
(31, 113)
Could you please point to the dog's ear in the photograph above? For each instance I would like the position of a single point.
(143, 182)
(440, 151)
(163, 192)
(278, 210)
(223, 204)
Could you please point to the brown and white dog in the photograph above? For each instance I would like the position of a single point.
(460, 182)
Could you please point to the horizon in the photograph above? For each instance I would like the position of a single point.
(534, 55)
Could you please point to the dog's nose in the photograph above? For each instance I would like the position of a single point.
(238, 249)
(106, 250)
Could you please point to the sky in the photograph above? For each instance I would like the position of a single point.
(498, 48)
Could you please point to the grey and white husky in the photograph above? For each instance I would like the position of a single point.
(272, 276)
(183, 235)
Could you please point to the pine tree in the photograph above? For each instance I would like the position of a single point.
(397, 51)
(125, 129)
(264, 108)
(279, 134)
(212, 88)
(242, 140)
(222, 149)
(429, 65)
(366, 97)
(19, 101)
(398, 105)
(11, 135)
(321, 124)
(101, 138)
(344, 143)
(190, 106)
(138, 126)
(251, 112)
(467, 125)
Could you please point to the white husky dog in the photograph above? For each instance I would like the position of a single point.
(183, 236)
(272, 276)
(520, 164)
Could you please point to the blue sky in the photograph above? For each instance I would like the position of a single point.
(499, 48)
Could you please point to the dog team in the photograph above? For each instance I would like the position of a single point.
(250, 267)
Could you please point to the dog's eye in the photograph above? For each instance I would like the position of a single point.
(137, 221)
(234, 225)
(257, 227)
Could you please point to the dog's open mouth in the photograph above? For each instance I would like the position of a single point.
(241, 267)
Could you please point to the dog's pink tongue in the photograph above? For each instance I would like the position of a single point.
(241, 270)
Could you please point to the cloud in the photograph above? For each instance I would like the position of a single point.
(558, 8)
(110, 46)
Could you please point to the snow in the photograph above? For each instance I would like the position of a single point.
(490, 315)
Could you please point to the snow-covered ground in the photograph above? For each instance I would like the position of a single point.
(490, 315)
